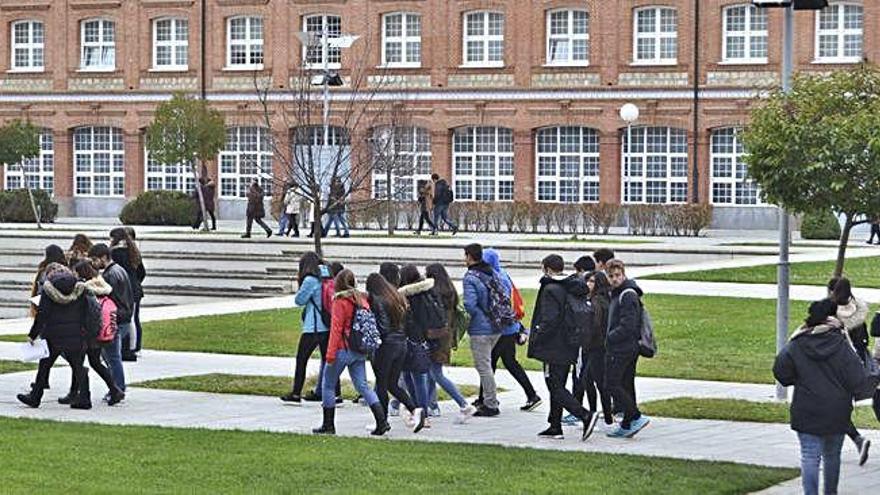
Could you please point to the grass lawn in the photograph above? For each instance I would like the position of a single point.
(702, 338)
(862, 271)
(15, 366)
(274, 386)
(739, 410)
(173, 460)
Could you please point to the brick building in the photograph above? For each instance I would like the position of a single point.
(514, 100)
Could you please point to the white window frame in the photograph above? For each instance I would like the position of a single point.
(587, 137)
(643, 179)
(325, 55)
(31, 46)
(250, 43)
(42, 167)
(484, 37)
(500, 183)
(569, 37)
(840, 32)
(102, 44)
(115, 155)
(179, 174)
(240, 166)
(407, 19)
(749, 35)
(657, 34)
(735, 160)
(414, 151)
(176, 23)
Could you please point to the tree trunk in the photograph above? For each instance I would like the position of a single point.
(389, 201)
(195, 171)
(31, 197)
(841, 248)
(318, 231)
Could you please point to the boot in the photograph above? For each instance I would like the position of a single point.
(33, 398)
(83, 400)
(382, 426)
(70, 397)
(328, 427)
(116, 396)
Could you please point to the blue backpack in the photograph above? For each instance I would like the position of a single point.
(364, 337)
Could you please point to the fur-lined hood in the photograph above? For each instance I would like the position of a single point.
(831, 324)
(98, 286)
(64, 289)
(348, 294)
(416, 288)
(852, 314)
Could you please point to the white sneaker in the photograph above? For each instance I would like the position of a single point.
(408, 417)
(464, 414)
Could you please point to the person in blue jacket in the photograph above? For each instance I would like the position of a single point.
(482, 333)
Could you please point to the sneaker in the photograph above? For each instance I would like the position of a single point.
(552, 433)
(394, 412)
(618, 417)
(434, 411)
(464, 414)
(589, 425)
(638, 425)
(420, 420)
(618, 432)
(487, 412)
(291, 399)
(477, 403)
(340, 402)
(427, 422)
(312, 397)
(106, 397)
(571, 420)
(531, 404)
(407, 417)
(863, 451)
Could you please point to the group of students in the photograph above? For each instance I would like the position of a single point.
(86, 304)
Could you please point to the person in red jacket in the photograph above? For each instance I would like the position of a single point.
(345, 302)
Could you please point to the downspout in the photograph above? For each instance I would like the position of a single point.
(203, 54)
(696, 99)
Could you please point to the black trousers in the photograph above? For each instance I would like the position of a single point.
(250, 221)
(875, 231)
(424, 216)
(308, 342)
(94, 355)
(505, 350)
(198, 221)
(555, 375)
(591, 380)
(74, 359)
(620, 372)
(292, 223)
(387, 366)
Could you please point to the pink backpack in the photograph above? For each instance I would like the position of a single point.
(108, 320)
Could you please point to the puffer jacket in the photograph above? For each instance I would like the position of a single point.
(424, 306)
(547, 339)
(476, 299)
(341, 320)
(624, 320)
(61, 315)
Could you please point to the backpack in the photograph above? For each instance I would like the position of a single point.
(328, 289)
(450, 195)
(364, 337)
(647, 341)
(519, 306)
(461, 321)
(500, 311)
(577, 316)
(109, 326)
(92, 324)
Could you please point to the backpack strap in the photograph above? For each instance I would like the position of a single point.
(620, 297)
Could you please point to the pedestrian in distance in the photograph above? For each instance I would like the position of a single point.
(443, 197)
(123, 296)
(124, 251)
(339, 356)
(875, 230)
(560, 308)
(209, 189)
(822, 366)
(336, 205)
(426, 202)
(255, 210)
(290, 212)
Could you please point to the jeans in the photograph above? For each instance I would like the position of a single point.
(505, 350)
(357, 371)
(441, 212)
(282, 223)
(387, 366)
(436, 373)
(816, 448)
(555, 376)
(481, 348)
(336, 220)
(113, 355)
(620, 370)
(417, 384)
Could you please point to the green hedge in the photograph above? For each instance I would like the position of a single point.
(15, 206)
(159, 208)
(820, 226)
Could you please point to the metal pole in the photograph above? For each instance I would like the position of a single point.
(782, 277)
(326, 89)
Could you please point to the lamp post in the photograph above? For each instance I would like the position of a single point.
(629, 112)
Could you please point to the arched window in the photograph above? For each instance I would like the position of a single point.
(482, 160)
(839, 33)
(244, 42)
(170, 44)
(98, 45)
(37, 172)
(406, 152)
(99, 161)
(745, 34)
(731, 184)
(655, 165)
(568, 37)
(483, 39)
(655, 36)
(402, 39)
(27, 46)
(567, 162)
(315, 56)
(246, 156)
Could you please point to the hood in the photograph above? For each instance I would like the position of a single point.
(120, 245)
(98, 286)
(492, 258)
(627, 284)
(482, 266)
(572, 284)
(346, 294)
(822, 341)
(853, 313)
(416, 288)
(63, 289)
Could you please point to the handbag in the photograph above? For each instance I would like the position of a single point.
(418, 357)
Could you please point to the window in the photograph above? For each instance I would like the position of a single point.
(27, 46)
(402, 40)
(407, 152)
(170, 44)
(37, 172)
(656, 36)
(245, 157)
(173, 177)
(839, 29)
(484, 39)
(568, 37)
(98, 45)
(655, 165)
(244, 43)
(314, 55)
(482, 160)
(745, 34)
(99, 161)
(731, 184)
(567, 161)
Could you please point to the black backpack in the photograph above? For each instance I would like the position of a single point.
(450, 195)
(577, 317)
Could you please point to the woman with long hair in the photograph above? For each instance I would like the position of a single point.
(315, 332)
(52, 254)
(79, 249)
(390, 307)
(346, 302)
(419, 318)
(124, 251)
(591, 378)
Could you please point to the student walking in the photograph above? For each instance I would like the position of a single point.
(875, 230)
(426, 201)
(591, 375)
(826, 372)
(290, 214)
(125, 252)
(490, 311)
(622, 348)
(443, 197)
(339, 356)
(123, 297)
(422, 316)
(255, 210)
(390, 309)
(209, 189)
(553, 341)
(336, 209)
(511, 336)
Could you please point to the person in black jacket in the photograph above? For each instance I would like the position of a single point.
(124, 251)
(622, 348)
(549, 344)
(442, 199)
(209, 189)
(61, 316)
(591, 379)
(419, 319)
(255, 210)
(822, 365)
(122, 295)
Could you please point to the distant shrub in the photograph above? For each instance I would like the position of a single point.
(15, 206)
(820, 226)
(159, 208)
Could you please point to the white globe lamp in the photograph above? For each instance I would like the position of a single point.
(629, 113)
